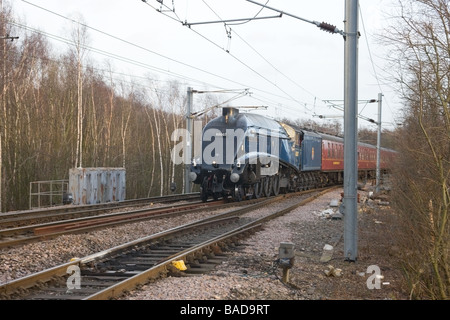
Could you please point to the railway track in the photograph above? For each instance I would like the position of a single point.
(31, 217)
(109, 273)
(29, 233)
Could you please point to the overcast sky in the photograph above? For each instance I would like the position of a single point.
(287, 64)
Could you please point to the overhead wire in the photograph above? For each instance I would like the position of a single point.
(140, 47)
(246, 65)
(170, 73)
(372, 60)
(256, 51)
(227, 50)
(133, 44)
(274, 67)
(109, 54)
(260, 55)
(90, 67)
(257, 14)
(370, 56)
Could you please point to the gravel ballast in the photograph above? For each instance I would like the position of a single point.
(250, 271)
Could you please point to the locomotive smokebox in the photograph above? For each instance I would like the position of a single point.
(230, 112)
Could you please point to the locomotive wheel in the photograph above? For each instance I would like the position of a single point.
(257, 190)
(204, 191)
(286, 189)
(303, 183)
(310, 181)
(249, 192)
(204, 195)
(276, 185)
(254, 191)
(238, 193)
(267, 186)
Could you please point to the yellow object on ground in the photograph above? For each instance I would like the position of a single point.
(179, 265)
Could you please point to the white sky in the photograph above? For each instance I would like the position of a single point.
(289, 65)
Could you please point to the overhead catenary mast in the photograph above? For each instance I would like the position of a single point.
(351, 131)
(350, 35)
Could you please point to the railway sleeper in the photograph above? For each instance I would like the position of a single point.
(55, 297)
(201, 268)
(206, 261)
(99, 280)
(205, 265)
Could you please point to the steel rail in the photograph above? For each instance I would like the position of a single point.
(154, 272)
(11, 218)
(21, 284)
(131, 283)
(54, 229)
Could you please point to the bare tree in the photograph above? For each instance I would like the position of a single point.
(421, 39)
(153, 153)
(3, 15)
(79, 38)
(157, 118)
(125, 123)
(55, 107)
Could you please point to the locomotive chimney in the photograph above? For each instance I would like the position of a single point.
(230, 112)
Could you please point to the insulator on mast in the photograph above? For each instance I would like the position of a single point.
(327, 27)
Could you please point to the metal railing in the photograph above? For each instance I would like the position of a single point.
(48, 193)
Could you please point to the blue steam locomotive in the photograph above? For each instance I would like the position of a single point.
(248, 156)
